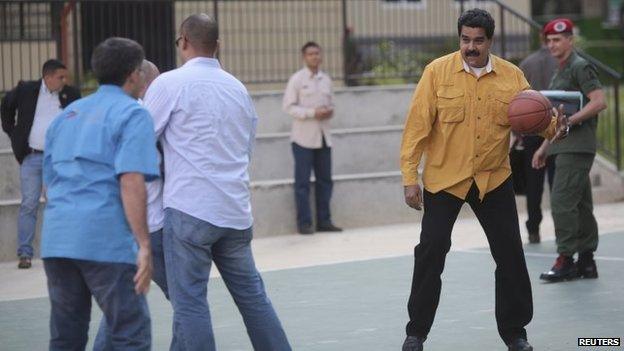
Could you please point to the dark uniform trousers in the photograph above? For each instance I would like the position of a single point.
(535, 181)
(499, 218)
(576, 229)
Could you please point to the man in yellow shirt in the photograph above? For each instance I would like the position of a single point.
(458, 118)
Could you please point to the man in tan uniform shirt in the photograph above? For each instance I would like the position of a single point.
(308, 99)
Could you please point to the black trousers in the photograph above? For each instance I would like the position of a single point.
(535, 182)
(499, 218)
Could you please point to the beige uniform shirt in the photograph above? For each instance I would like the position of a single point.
(304, 93)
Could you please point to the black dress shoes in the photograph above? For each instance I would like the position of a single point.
(534, 238)
(328, 227)
(564, 269)
(586, 266)
(413, 343)
(520, 345)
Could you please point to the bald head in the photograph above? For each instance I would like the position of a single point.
(202, 33)
(151, 72)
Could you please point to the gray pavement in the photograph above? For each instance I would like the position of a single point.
(349, 291)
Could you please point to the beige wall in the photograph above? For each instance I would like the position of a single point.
(261, 40)
(430, 17)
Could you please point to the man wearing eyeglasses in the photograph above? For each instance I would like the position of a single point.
(206, 122)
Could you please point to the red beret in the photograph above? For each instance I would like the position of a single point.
(557, 26)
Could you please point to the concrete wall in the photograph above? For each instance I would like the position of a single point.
(367, 189)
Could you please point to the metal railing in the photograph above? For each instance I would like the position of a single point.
(365, 42)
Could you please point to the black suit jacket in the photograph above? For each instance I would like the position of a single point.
(18, 112)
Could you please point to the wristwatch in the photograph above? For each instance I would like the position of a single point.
(567, 131)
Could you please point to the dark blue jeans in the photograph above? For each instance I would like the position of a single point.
(191, 245)
(306, 160)
(72, 283)
(103, 340)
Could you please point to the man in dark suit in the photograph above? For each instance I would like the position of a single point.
(26, 112)
(538, 68)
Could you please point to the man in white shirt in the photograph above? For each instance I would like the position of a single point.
(26, 112)
(206, 122)
(308, 99)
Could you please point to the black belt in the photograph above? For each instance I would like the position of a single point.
(35, 151)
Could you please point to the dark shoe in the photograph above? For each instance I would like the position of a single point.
(586, 266)
(306, 229)
(329, 227)
(413, 343)
(520, 345)
(24, 263)
(564, 269)
(534, 238)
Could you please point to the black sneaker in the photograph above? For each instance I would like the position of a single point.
(24, 262)
(306, 229)
(413, 343)
(586, 266)
(328, 227)
(564, 269)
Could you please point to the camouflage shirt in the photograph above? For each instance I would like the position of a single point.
(577, 74)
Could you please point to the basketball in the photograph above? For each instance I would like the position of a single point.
(529, 112)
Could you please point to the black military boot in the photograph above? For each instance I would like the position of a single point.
(586, 266)
(564, 269)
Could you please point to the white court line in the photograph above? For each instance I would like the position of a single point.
(535, 254)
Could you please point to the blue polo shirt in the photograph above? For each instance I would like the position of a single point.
(88, 147)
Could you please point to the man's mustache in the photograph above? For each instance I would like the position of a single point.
(472, 53)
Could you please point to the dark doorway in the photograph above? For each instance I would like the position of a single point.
(150, 23)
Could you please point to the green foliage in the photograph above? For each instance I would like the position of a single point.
(396, 65)
(605, 44)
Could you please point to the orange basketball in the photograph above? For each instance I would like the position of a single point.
(529, 112)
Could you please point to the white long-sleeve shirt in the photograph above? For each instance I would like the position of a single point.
(206, 122)
(304, 93)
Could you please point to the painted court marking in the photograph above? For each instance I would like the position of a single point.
(536, 254)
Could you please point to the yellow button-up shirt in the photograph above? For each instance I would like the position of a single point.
(460, 122)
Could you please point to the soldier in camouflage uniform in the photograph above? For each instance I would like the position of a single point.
(576, 229)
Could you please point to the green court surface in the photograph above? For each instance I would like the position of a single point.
(361, 306)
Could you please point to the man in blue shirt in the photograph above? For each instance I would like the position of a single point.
(99, 153)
